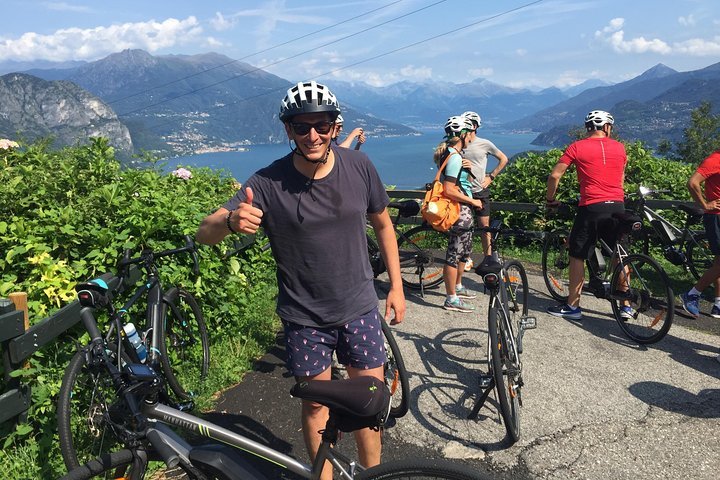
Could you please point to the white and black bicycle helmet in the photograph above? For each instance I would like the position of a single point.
(597, 118)
(339, 121)
(473, 117)
(308, 97)
(457, 125)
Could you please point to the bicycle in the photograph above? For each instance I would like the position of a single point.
(421, 250)
(175, 339)
(396, 375)
(681, 246)
(146, 428)
(508, 320)
(636, 286)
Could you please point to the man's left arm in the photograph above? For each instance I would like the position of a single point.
(387, 242)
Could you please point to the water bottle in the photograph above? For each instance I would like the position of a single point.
(134, 338)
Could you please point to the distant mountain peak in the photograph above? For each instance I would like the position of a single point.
(658, 71)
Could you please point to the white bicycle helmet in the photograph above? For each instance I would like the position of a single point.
(473, 117)
(597, 118)
(339, 120)
(308, 97)
(456, 125)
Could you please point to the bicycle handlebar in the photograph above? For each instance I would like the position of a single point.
(147, 257)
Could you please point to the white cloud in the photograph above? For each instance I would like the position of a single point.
(480, 72)
(94, 43)
(220, 23)
(615, 36)
(65, 7)
(520, 52)
(688, 21)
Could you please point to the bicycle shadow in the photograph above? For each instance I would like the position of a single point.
(690, 353)
(448, 386)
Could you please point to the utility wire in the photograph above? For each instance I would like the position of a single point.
(256, 69)
(253, 54)
(434, 37)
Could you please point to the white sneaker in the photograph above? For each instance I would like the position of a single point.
(469, 265)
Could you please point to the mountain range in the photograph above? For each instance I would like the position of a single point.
(182, 104)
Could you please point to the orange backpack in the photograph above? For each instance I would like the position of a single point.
(437, 210)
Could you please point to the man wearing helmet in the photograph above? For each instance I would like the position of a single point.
(312, 205)
(477, 152)
(600, 163)
(355, 133)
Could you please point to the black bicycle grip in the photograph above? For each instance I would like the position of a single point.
(190, 244)
(168, 455)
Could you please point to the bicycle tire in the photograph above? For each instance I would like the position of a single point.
(503, 371)
(419, 469)
(518, 289)
(85, 394)
(555, 265)
(184, 349)
(108, 463)
(699, 256)
(650, 295)
(396, 376)
(422, 257)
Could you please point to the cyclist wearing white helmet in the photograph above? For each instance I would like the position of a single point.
(600, 164)
(456, 182)
(355, 133)
(477, 152)
(312, 205)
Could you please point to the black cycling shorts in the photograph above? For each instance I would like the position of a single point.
(712, 231)
(592, 222)
(483, 195)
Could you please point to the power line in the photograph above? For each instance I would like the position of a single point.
(253, 54)
(282, 60)
(414, 44)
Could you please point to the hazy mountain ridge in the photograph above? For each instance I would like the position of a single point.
(191, 103)
(36, 108)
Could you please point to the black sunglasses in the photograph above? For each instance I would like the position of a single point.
(322, 128)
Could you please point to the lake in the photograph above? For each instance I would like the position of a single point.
(405, 162)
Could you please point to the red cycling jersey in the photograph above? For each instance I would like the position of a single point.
(600, 164)
(710, 170)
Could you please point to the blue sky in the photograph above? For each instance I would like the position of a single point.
(521, 43)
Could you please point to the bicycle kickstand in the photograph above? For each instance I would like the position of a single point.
(487, 383)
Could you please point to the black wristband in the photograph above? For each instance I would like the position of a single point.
(492, 177)
(227, 222)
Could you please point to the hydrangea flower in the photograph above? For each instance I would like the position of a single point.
(183, 173)
(6, 144)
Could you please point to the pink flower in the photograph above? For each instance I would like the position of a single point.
(183, 173)
(6, 144)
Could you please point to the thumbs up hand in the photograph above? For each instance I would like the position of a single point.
(246, 218)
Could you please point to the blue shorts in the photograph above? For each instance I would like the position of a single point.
(358, 344)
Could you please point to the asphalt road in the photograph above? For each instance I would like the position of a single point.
(595, 405)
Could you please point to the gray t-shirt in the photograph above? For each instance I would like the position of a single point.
(477, 153)
(317, 235)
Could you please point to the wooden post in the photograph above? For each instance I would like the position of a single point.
(20, 301)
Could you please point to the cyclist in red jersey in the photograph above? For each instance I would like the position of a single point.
(708, 173)
(600, 163)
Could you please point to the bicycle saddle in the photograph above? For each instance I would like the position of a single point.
(365, 397)
(488, 265)
(628, 221)
(408, 208)
(692, 210)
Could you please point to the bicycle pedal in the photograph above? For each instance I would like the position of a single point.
(485, 381)
(528, 323)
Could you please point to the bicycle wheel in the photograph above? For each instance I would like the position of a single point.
(86, 395)
(422, 257)
(185, 350)
(555, 265)
(396, 376)
(649, 296)
(699, 256)
(516, 284)
(421, 469)
(108, 465)
(505, 365)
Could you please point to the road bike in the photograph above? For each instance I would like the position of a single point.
(508, 320)
(421, 250)
(174, 337)
(684, 246)
(636, 286)
(146, 429)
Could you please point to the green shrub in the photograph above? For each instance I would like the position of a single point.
(66, 216)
